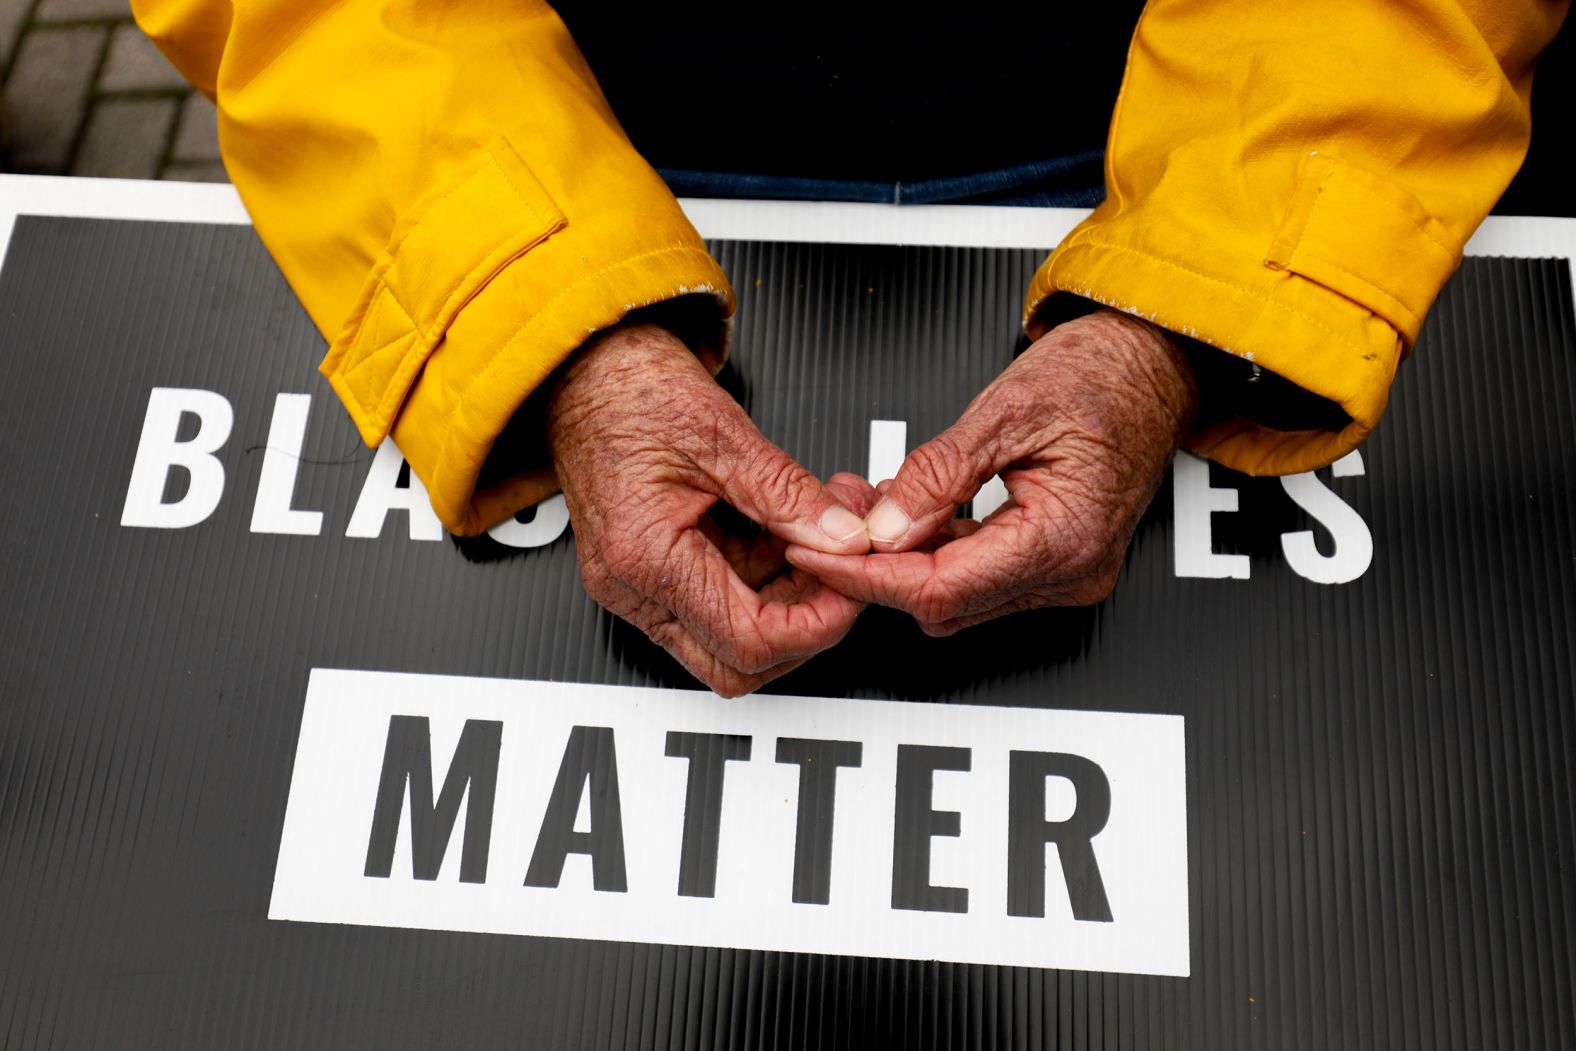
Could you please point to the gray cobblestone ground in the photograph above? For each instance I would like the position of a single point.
(84, 92)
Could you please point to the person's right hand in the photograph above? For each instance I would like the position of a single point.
(645, 443)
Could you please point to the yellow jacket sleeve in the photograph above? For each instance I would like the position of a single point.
(446, 190)
(1293, 181)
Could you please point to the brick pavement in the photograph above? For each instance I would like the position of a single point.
(86, 93)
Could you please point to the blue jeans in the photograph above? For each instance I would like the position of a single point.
(1072, 181)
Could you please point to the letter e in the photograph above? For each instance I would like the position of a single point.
(1194, 500)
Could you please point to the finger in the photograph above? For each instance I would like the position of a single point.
(933, 480)
(662, 628)
(775, 490)
(1017, 553)
(799, 586)
(951, 627)
(695, 582)
(722, 678)
(956, 529)
(853, 492)
(756, 558)
(718, 675)
(794, 586)
(896, 580)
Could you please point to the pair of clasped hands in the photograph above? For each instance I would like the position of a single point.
(1081, 427)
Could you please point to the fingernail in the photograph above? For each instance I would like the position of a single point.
(840, 523)
(887, 523)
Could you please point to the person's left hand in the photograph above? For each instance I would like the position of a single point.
(1081, 428)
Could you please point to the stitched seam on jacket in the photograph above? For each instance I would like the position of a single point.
(1412, 315)
(1310, 319)
(1426, 228)
(546, 229)
(370, 404)
(1283, 237)
(385, 264)
(386, 292)
(1275, 443)
(506, 345)
(393, 249)
(1424, 225)
(385, 410)
(470, 274)
(1291, 264)
(493, 160)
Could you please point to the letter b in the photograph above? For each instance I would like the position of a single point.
(159, 449)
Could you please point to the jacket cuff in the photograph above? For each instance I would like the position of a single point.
(485, 288)
(1331, 302)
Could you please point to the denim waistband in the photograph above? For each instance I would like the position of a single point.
(1071, 181)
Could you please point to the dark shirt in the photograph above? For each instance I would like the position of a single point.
(888, 93)
(856, 90)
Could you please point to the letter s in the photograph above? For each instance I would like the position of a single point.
(1354, 544)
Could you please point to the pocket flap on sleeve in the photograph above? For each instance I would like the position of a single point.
(442, 252)
(1368, 240)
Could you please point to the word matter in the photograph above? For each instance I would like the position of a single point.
(926, 831)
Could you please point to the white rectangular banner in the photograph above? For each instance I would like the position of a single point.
(966, 833)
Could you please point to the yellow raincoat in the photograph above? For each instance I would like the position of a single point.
(445, 188)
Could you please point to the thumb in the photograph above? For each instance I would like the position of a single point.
(775, 491)
(934, 479)
(853, 492)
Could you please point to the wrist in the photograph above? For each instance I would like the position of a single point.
(1155, 358)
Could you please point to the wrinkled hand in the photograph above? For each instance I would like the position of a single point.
(646, 443)
(1081, 428)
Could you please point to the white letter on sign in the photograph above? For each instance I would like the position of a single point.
(272, 512)
(1354, 544)
(550, 520)
(381, 493)
(1194, 500)
(160, 449)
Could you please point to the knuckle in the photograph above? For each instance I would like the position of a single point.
(725, 682)
(1090, 564)
(740, 646)
(934, 604)
(783, 483)
(597, 582)
(636, 553)
(778, 484)
(1016, 407)
(665, 633)
(753, 658)
(1086, 557)
(622, 554)
(1097, 588)
(940, 470)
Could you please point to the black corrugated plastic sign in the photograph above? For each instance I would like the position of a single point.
(1380, 830)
